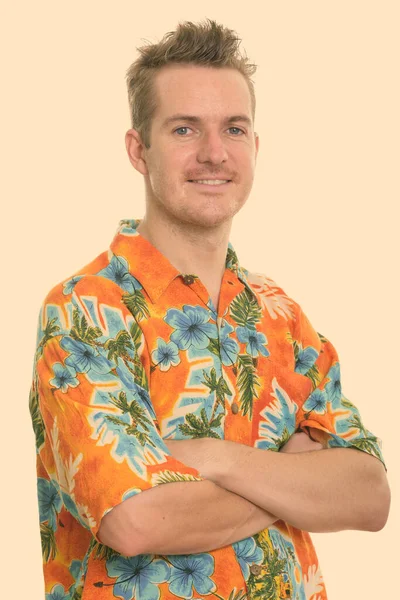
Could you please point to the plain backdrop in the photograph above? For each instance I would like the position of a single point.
(321, 219)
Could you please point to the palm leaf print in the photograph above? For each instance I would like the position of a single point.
(323, 339)
(81, 330)
(247, 380)
(241, 595)
(50, 330)
(214, 347)
(314, 375)
(100, 551)
(245, 310)
(367, 444)
(199, 428)
(232, 260)
(355, 422)
(136, 304)
(48, 541)
(117, 347)
(282, 440)
(171, 476)
(37, 421)
(347, 404)
(219, 386)
(263, 581)
(139, 370)
(136, 335)
(138, 417)
(196, 427)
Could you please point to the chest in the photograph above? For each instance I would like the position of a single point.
(231, 377)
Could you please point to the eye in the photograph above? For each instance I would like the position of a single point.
(183, 127)
(237, 129)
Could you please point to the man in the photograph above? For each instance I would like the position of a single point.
(164, 361)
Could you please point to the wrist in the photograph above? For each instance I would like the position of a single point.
(232, 457)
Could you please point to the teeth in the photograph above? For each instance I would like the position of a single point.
(211, 181)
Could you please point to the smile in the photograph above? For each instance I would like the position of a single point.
(209, 183)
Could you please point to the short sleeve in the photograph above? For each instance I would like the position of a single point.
(96, 428)
(328, 416)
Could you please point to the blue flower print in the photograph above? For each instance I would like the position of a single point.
(50, 502)
(255, 341)
(191, 571)
(118, 271)
(70, 284)
(229, 348)
(58, 593)
(305, 359)
(137, 576)
(64, 377)
(191, 327)
(83, 357)
(247, 552)
(333, 387)
(165, 355)
(316, 402)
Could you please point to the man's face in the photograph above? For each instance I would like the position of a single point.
(209, 148)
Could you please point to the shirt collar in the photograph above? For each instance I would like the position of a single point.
(151, 268)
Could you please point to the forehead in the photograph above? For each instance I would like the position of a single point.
(207, 92)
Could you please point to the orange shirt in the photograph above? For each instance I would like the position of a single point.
(131, 352)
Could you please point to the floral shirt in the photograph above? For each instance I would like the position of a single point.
(131, 352)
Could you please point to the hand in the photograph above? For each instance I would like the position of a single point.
(199, 453)
(300, 442)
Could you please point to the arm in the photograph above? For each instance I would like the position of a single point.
(332, 490)
(96, 429)
(195, 521)
(182, 518)
(344, 487)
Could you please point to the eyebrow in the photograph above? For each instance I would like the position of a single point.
(194, 119)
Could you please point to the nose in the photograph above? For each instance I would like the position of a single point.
(212, 149)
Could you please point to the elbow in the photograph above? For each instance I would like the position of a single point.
(117, 531)
(109, 535)
(381, 508)
(112, 541)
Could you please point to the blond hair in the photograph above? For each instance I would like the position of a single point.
(204, 43)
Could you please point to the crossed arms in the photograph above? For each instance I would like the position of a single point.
(246, 490)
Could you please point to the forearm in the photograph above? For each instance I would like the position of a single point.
(191, 517)
(330, 490)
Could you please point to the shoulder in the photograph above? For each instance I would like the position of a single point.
(88, 280)
(272, 296)
(280, 305)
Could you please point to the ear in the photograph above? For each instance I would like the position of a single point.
(136, 151)
(257, 142)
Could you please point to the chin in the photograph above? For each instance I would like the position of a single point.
(211, 220)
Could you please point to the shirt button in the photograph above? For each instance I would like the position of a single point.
(235, 408)
(230, 282)
(188, 279)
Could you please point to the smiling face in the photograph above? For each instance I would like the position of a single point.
(216, 142)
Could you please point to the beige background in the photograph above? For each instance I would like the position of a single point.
(320, 220)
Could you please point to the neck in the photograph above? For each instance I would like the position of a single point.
(191, 249)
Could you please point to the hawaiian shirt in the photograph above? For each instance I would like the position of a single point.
(131, 352)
